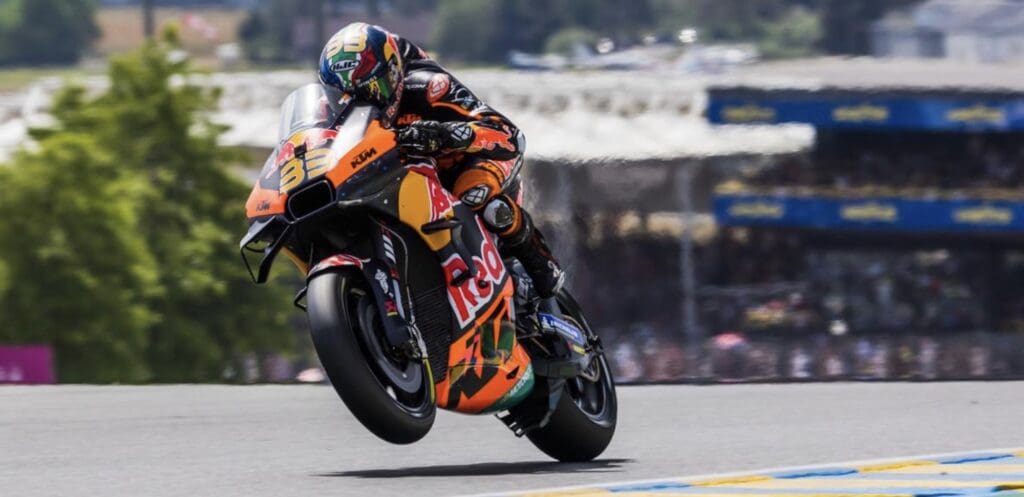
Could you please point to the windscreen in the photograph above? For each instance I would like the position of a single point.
(311, 106)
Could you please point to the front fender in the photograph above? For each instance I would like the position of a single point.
(397, 329)
(337, 261)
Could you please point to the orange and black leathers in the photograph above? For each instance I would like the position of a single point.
(479, 153)
(480, 150)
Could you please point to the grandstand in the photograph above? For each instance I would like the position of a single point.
(893, 247)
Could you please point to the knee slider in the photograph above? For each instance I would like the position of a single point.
(499, 215)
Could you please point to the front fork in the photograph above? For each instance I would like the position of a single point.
(381, 271)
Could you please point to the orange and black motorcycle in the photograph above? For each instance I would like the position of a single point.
(411, 304)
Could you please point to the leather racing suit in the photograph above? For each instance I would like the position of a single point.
(479, 153)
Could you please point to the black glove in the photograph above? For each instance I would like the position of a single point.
(431, 137)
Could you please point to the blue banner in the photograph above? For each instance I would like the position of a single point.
(898, 112)
(882, 213)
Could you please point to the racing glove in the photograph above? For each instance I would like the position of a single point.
(432, 137)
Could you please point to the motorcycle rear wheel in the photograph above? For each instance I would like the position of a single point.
(392, 398)
(582, 425)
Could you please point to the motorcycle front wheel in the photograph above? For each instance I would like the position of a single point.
(390, 395)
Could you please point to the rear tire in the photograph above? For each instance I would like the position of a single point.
(341, 324)
(582, 425)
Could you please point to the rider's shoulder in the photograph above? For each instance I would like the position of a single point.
(419, 79)
(428, 78)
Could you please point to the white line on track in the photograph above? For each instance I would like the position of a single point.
(749, 472)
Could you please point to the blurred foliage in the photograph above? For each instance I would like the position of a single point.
(485, 31)
(78, 273)
(565, 41)
(795, 35)
(45, 32)
(120, 235)
(466, 29)
(268, 32)
(781, 28)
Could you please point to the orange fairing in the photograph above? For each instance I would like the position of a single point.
(264, 202)
(487, 368)
(422, 199)
(377, 142)
(285, 172)
(486, 363)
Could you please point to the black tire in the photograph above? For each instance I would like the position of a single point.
(344, 341)
(582, 425)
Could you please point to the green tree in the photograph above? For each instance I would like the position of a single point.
(78, 274)
(468, 30)
(42, 32)
(209, 312)
(780, 28)
(175, 213)
(795, 35)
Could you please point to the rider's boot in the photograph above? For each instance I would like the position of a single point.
(522, 240)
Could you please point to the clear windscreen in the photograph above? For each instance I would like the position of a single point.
(310, 106)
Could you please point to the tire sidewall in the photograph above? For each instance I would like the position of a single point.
(350, 373)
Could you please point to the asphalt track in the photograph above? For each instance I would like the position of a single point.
(299, 440)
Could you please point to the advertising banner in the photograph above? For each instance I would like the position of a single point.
(26, 364)
(872, 112)
(882, 213)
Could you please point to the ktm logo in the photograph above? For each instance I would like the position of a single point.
(363, 156)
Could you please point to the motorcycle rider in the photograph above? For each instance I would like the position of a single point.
(479, 152)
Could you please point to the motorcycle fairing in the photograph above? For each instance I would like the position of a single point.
(311, 153)
(487, 368)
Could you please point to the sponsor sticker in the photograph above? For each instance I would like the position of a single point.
(438, 87)
(344, 65)
(563, 328)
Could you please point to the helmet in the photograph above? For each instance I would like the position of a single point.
(364, 61)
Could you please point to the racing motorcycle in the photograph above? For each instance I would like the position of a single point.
(410, 302)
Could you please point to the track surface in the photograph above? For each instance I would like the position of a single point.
(299, 440)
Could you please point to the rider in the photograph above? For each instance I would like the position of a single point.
(479, 151)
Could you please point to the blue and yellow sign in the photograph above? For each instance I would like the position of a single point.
(883, 213)
(897, 112)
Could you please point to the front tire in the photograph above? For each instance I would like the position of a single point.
(582, 425)
(392, 398)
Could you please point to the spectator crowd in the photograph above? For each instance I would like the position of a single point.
(770, 307)
(907, 164)
(777, 304)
